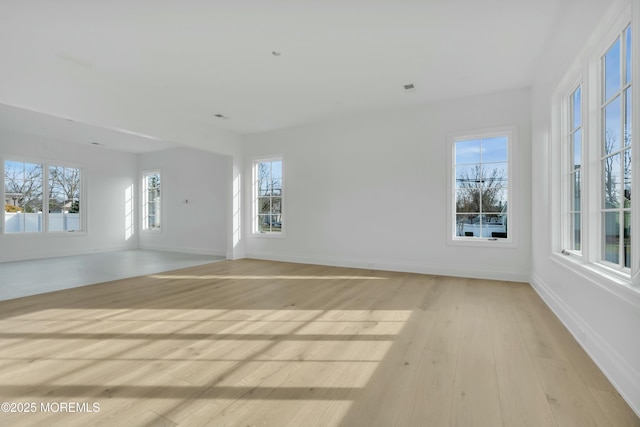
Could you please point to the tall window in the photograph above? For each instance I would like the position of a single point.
(481, 189)
(267, 199)
(575, 171)
(151, 201)
(30, 187)
(615, 143)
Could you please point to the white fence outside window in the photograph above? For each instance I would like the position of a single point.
(20, 222)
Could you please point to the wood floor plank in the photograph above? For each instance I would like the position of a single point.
(571, 402)
(476, 399)
(522, 397)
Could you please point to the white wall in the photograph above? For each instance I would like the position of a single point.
(370, 191)
(202, 178)
(107, 176)
(603, 315)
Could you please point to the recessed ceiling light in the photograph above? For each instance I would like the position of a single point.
(220, 116)
(276, 53)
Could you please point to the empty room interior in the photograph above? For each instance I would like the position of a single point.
(337, 213)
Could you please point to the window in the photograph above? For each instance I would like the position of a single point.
(480, 188)
(64, 198)
(29, 187)
(151, 207)
(267, 196)
(574, 142)
(596, 209)
(615, 145)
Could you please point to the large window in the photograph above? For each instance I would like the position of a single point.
(615, 145)
(597, 168)
(30, 187)
(267, 196)
(151, 208)
(481, 186)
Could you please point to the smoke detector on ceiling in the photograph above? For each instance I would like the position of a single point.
(409, 87)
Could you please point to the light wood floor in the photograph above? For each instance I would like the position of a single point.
(248, 342)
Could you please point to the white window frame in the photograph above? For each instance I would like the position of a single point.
(45, 164)
(511, 132)
(255, 228)
(567, 157)
(144, 200)
(588, 70)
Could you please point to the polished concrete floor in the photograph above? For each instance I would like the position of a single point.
(24, 278)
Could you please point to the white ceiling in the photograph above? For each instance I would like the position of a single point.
(116, 65)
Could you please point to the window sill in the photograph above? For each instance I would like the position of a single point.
(613, 281)
(482, 242)
(37, 234)
(270, 235)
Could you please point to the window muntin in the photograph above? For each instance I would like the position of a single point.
(151, 201)
(29, 187)
(268, 193)
(481, 187)
(574, 142)
(615, 146)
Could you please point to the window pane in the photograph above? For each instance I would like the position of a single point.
(264, 205)
(276, 205)
(494, 149)
(575, 227)
(495, 226)
(576, 107)
(467, 152)
(467, 225)
(612, 236)
(627, 239)
(276, 169)
(276, 187)
(468, 200)
(612, 70)
(612, 121)
(468, 176)
(627, 117)
(494, 199)
(264, 223)
(576, 191)
(611, 188)
(577, 149)
(628, 54)
(627, 178)
(494, 175)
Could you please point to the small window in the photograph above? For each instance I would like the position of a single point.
(151, 207)
(30, 187)
(480, 187)
(64, 199)
(268, 196)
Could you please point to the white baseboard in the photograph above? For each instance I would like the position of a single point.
(195, 251)
(624, 376)
(400, 266)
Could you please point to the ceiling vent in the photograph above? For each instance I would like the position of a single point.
(409, 87)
